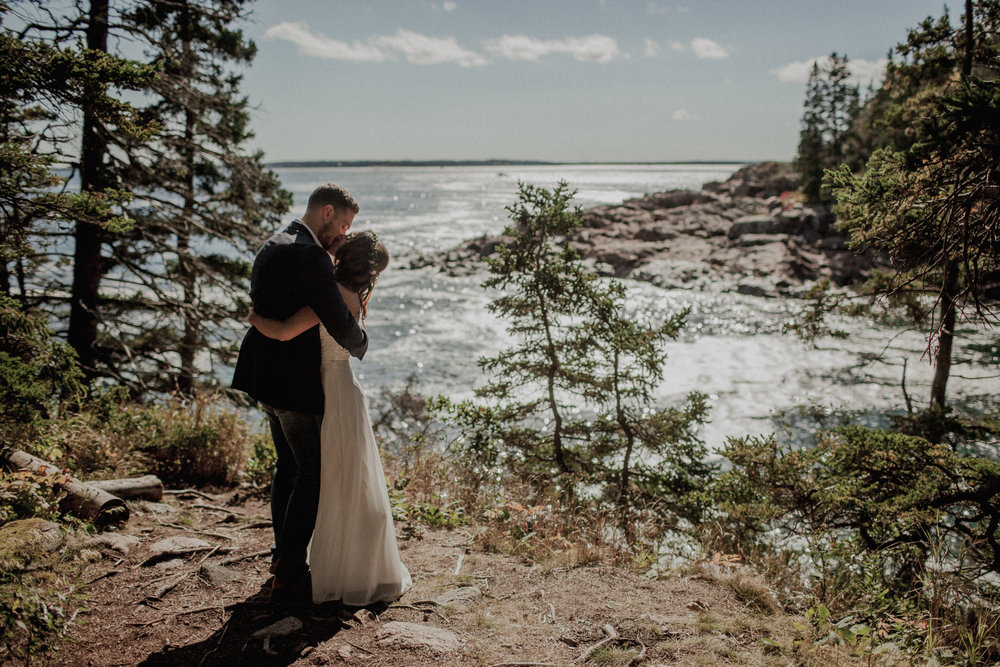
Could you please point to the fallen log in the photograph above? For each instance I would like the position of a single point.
(147, 487)
(82, 500)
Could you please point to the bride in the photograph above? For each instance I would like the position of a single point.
(353, 555)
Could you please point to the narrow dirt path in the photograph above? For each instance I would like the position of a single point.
(208, 605)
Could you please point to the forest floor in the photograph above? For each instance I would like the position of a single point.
(211, 605)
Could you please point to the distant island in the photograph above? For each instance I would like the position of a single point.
(465, 163)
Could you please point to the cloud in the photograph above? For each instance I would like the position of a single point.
(423, 50)
(705, 48)
(323, 47)
(651, 49)
(863, 72)
(416, 48)
(592, 48)
(675, 45)
(682, 115)
(656, 8)
(448, 6)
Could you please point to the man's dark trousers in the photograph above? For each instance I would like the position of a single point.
(295, 487)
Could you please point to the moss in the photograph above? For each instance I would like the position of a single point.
(26, 541)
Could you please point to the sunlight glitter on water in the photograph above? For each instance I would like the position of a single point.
(435, 327)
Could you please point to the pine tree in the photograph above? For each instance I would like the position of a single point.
(46, 82)
(830, 108)
(574, 391)
(543, 284)
(810, 161)
(203, 203)
(39, 85)
(150, 301)
(60, 260)
(933, 205)
(646, 453)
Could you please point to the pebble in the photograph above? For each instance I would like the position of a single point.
(218, 575)
(120, 542)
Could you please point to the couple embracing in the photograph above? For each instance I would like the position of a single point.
(310, 286)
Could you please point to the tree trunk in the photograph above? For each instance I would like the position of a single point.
(89, 237)
(942, 360)
(186, 273)
(949, 286)
(82, 500)
(4, 279)
(969, 36)
(147, 487)
(186, 270)
(623, 493)
(557, 448)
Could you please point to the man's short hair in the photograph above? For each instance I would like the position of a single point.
(332, 194)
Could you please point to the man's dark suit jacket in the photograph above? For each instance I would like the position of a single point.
(292, 271)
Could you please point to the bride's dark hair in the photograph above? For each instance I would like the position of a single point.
(359, 262)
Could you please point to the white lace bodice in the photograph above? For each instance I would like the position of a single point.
(330, 349)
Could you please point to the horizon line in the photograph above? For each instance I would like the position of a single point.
(484, 163)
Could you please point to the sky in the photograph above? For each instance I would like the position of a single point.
(552, 80)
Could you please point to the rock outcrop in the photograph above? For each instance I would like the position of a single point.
(749, 233)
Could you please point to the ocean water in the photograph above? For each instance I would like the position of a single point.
(432, 327)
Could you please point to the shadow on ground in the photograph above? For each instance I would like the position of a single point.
(285, 633)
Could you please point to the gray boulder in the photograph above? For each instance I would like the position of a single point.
(763, 224)
(671, 199)
(398, 634)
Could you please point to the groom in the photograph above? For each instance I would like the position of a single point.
(293, 270)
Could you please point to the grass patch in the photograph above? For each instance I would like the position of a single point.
(711, 623)
(613, 655)
(751, 589)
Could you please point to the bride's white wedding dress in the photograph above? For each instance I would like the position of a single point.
(353, 556)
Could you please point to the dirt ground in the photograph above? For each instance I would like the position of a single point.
(467, 607)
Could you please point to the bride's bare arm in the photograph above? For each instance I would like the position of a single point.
(303, 320)
(353, 302)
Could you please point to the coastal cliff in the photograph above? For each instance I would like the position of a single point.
(749, 233)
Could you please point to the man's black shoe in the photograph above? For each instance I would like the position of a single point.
(298, 590)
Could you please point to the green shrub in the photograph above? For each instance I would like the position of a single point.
(195, 444)
(891, 532)
(25, 495)
(38, 374)
(191, 443)
(260, 466)
(890, 491)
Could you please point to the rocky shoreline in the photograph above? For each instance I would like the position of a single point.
(748, 234)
